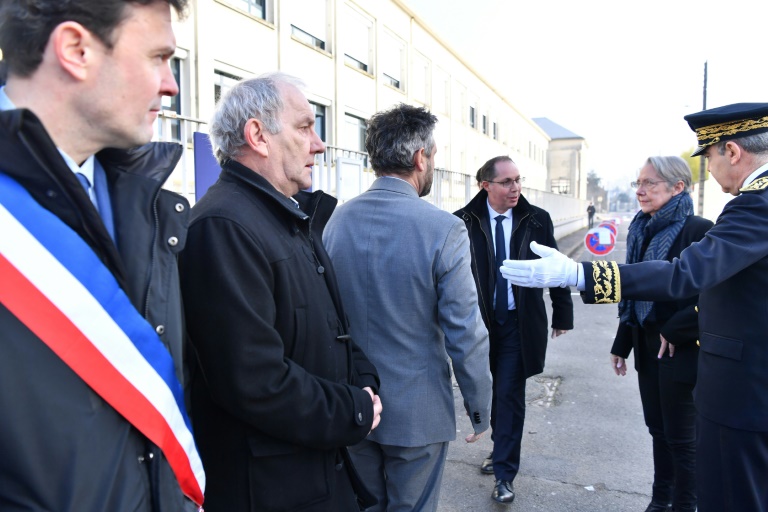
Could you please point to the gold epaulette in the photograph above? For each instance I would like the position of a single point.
(758, 184)
(607, 282)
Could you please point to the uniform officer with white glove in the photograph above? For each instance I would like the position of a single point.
(728, 268)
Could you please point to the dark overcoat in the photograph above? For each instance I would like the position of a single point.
(677, 320)
(277, 392)
(63, 447)
(531, 224)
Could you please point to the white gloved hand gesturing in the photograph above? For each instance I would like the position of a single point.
(553, 269)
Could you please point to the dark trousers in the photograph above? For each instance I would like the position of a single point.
(670, 415)
(591, 220)
(732, 473)
(508, 405)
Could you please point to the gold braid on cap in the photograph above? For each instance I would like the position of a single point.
(716, 131)
(607, 282)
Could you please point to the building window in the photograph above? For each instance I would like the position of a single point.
(356, 32)
(495, 131)
(561, 186)
(420, 78)
(485, 124)
(254, 7)
(309, 22)
(394, 82)
(173, 104)
(392, 51)
(441, 90)
(306, 37)
(472, 122)
(355, 133)
(320, 127)
(222, 82)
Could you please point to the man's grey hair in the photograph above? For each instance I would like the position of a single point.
(395, 135)
(672, 169)
(252, 98)
(756, 144)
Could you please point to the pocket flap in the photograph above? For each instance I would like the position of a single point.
(721, 346)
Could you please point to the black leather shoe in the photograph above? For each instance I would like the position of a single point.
(486, 467)
(654, 506)
(503, 492)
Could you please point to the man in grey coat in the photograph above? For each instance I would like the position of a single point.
(404, 272)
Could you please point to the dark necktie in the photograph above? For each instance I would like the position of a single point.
(102, 202)
(84, 182)
(502, 300)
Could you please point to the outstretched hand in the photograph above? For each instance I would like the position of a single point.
(552, 269)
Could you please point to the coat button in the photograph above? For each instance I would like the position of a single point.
(173, 241)
(160, 329)
(359, 416)
(697, 343)
(179, 207)
(696, 308)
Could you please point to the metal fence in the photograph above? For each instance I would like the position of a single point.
(346, 173)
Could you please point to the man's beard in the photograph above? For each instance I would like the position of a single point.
(427, 187)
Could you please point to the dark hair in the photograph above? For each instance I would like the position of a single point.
(395, 135)
(755, 144)
(488, 171)
(26, 25)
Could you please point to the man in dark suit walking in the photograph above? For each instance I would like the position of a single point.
(501, 223)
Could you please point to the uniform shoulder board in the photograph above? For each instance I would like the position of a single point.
(757, 185)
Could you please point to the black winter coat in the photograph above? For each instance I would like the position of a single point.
(278, 392)
(62, 447)
(531, 224)
(677, 320)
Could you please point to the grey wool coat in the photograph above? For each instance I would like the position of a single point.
(404, 272)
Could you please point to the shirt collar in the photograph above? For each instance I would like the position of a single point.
(492, 214)
(5, 101)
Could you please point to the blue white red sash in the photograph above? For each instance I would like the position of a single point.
(54, 283)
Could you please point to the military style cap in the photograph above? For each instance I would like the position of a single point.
(728, 122)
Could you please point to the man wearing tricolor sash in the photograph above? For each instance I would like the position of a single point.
(91, 373)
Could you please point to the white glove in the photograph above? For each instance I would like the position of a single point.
(553, 269)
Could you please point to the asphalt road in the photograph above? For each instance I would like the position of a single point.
(585, 445)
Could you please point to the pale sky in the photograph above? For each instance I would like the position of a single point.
(620, 74)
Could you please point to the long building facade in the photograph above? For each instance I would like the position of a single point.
(357, 57)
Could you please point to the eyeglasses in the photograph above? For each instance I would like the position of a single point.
(645, 183)
(507, 184)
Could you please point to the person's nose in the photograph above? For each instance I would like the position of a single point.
(168, 85)
(317, 145)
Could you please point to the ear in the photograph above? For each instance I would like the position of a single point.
(678, 188)
(74, 48)
(733, 152)
(256, 137)
(420, 160)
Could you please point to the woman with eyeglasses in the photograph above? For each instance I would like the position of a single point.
(664, 334)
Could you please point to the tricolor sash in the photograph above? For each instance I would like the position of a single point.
(54, 283)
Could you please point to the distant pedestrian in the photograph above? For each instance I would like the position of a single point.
(591, 214)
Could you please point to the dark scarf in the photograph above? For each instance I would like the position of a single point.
(660, 231)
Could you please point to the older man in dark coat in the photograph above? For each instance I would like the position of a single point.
(280, 389)
(501, 224)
